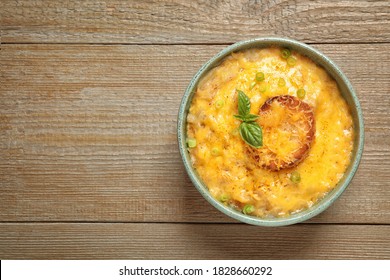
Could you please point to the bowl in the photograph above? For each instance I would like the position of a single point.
(348, 94)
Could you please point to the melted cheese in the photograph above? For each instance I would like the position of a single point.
(230, 172)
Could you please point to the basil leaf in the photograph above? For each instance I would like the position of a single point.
(239, 117)
(247, 118)
(250, 118)
(252, 134)
(244, 104)
(250, 130)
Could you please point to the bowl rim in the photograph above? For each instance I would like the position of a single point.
(320, 59)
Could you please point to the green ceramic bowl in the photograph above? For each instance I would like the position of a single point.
(348, 94)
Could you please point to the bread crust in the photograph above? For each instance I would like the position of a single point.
(294, 105)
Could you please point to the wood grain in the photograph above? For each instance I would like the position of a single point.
(89, 94)
(180, 21)
(88, 133)
(192, 241)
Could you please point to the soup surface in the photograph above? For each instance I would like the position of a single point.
(223, 160)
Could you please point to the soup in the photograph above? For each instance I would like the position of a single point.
(307, 132)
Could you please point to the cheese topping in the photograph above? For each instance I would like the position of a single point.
(220, 156)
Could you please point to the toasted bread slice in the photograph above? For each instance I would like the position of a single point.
(288, 133)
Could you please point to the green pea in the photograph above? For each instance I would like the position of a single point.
(224, 198)
(260, 76)
(215, 151)
(301, 93)
(281, 82)
(286, 53)
(248, 209)
(219, 104)
(191, 143)
(291, 61)
(263, 88)
(295, 177)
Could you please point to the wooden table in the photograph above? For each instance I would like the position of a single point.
(89, 163)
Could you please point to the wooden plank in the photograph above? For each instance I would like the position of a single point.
(88, 133)
(180, 21)
(192, 241)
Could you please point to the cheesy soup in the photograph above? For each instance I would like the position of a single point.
(307, 132)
